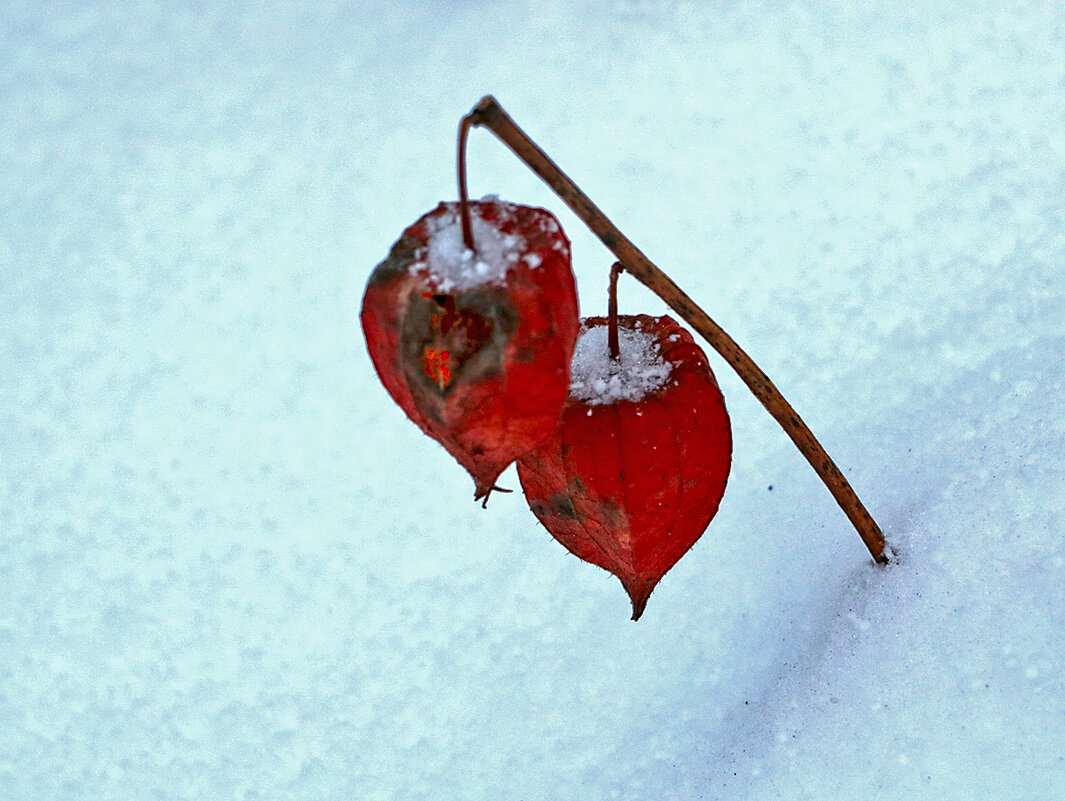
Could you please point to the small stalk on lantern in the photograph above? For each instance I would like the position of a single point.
(612, 312)
(490, 114)
(464, 199)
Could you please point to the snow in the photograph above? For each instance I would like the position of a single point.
(453, 266)
(231, 568)
(598, 380)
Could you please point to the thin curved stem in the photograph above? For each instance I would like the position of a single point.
(612, 313)
(464, 198)
(489, 113)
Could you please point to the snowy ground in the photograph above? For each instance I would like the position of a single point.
(231, 569)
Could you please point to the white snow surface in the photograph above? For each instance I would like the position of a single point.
(453, 266)
(599, 380)
(230, 568)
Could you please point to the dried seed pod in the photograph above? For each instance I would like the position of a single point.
(475, 345)
(638, 463)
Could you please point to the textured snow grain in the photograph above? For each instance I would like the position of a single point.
(454, 266)
(598, 380)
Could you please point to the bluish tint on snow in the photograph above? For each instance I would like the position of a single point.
(230, 568)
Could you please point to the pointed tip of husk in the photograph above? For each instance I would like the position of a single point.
(639, 591)
(484, 482)
(484, 495)
(637, 609)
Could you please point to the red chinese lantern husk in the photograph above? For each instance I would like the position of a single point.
(631, 485)
(483, 368)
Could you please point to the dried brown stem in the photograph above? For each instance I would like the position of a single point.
(489, 113)
(612, 313)
(464, 198)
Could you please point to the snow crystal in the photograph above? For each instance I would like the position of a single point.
(454, 266)
(598, 380)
